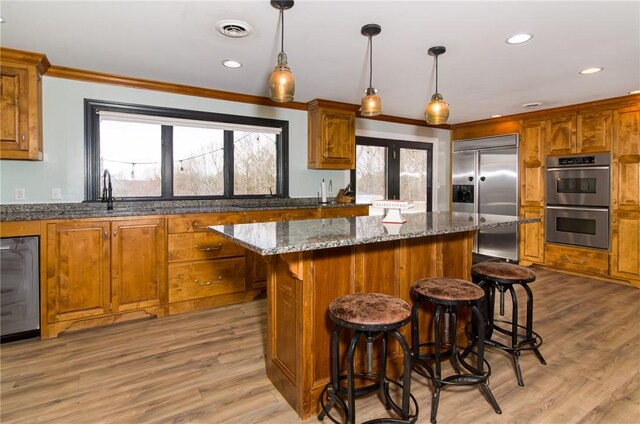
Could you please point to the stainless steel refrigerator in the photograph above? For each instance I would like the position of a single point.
(485, 180)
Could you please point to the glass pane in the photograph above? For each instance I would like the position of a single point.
(254, 163)
(131, 152)
(413, 178)
(198, 161)
(371, 175)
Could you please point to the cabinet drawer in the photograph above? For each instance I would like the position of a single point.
(201, 245)
(344, 212)
(266, 216)
(299, 214)
(200, 222)
(198, 279)
(587, 261)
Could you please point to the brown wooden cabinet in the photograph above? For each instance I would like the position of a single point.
(625, 244)
(532, 156)
(588, 131)
(344, 212)
(590, 261)
(626, 160)
(331, 140)
(532, 236)
(204, 268)
(100, 268)
(21, 104)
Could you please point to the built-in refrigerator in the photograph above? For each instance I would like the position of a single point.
(485, 181)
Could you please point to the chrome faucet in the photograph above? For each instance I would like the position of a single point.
(107, 190)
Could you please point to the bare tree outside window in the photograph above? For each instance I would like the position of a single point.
(371, 173)
(254, 163)
(413, 178)
(198, 161)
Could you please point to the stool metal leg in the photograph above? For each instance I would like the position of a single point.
(530, 322)
(406, 382)
(351, 398)
(436, 380)
(515, 353)
(383, 371)
(480, 360)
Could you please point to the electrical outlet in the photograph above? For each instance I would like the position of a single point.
(56, 193)
(20, 194)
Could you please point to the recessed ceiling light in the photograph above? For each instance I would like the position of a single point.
(591, 71)
(1, 20)
(634, 92)
(229, 63)
(532, 105)
(519, 38)
(496, 116)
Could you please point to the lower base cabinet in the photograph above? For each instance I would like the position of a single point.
(98, 271)
(532, 236)
(102, 271)
(625, 245)
(588, 261)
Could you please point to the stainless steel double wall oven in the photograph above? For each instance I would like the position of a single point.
(578, 196)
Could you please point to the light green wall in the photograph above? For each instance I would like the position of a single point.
(63, 139)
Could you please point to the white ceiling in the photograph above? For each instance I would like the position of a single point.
(480, 75)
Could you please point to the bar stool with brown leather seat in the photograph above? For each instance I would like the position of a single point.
(447, 294)
(503, 276)
(374, 316)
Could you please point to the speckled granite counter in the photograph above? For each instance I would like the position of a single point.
(42, 211)
(273, 238)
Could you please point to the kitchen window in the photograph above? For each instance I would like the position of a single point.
(393, 169)
(162, 153)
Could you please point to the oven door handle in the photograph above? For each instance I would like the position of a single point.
(572, 208)
(578, 168)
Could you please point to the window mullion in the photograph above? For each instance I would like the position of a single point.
(393, 171)
(167, 162)
(228, 167)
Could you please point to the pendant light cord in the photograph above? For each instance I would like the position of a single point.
(281, 31)
(437, 73)
(370, 61)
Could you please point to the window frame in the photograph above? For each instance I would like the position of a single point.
(393, 164)
(92, 175)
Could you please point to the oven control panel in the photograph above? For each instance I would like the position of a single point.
(577, 160)
(597, 159)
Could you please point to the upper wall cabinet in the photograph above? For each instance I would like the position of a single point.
(584, 132)
(532, 162)
(332, 135)
(21, 105)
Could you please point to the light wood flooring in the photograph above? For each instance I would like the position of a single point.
(208, 367)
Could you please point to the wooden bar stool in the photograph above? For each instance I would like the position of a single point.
(372, 315)
(503, 276)
(447, 294)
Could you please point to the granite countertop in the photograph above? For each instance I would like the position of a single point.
(273, 238)
(42, 211)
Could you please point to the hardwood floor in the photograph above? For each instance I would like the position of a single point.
(208, 367)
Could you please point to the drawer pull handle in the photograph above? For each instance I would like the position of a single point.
(566, 259)
(208, 249)
(208, 283)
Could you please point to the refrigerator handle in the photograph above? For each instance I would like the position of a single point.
(482, 179)
(470, 178)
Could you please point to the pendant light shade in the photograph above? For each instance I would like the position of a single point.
(282, 85)
(437, 111)
(371, 102)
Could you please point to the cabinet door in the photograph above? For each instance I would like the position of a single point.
(14, 128)
(78, 272)
(532, 236)
(595, 131)
(532, 163)
(626, 159)
(562, 135)
(625, 240)
(138, 263)
(338, 139)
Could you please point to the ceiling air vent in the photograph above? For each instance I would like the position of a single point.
(532, 105)
(233, 28)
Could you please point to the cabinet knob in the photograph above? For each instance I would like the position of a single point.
(115, 233)
(106, 234)
(24, 137)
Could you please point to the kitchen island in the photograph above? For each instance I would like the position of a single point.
(312, 262)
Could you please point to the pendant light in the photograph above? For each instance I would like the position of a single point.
(371, 103)
(437, 111)
(281, 83)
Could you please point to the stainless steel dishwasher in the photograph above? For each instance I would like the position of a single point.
(19, 288)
